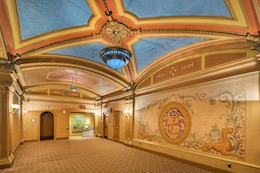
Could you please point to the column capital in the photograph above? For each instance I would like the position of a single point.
(4, 89)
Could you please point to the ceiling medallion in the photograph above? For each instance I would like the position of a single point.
(116, 33)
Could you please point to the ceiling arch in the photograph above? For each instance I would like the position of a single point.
(56, 40)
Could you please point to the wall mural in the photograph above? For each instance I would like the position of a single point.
(212, 124)
(174, 122)
(78, 124)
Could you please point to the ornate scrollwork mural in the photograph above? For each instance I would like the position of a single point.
(222, 131)
(174, 122)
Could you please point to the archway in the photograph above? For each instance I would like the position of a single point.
(47, 126)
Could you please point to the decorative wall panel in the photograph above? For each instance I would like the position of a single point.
(217, 113)
(177, 69)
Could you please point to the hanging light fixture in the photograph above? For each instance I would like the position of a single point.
(73, 87)
(115, 57)
(116, 33)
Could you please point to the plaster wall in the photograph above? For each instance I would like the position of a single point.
(119, 106)
(15, 124)
(213, 107)
(31, 124)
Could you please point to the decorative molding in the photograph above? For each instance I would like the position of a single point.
(62, 43)
(109, 29)
(254, 38)
(230, 69)
(115, 32)
(188, 31)
(177, 69)
(2, 46)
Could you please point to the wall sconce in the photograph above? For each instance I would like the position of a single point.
(15, 108)
(127, 111)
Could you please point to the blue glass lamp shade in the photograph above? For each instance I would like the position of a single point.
(73, 89)
(115, 57)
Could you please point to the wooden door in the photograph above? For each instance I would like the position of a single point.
(47, 126)
(105, 118)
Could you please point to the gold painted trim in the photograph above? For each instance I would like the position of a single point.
(18, 43)
(257, 9)
(239, 19)
(248, 52)
(62, 45)
(3, 54)
(83, 69)
(210, 74)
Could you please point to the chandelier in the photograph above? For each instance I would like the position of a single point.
(116, 33)
(115, 57)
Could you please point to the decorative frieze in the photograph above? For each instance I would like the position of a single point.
(216, 59)
(177, 69)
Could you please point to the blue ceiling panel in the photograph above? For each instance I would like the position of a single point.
(42, 16)
(88, 52)
(149, 49)
(154, 8)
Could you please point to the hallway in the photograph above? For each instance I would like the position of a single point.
(90, 155)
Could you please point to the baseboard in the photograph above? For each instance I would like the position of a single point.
(31, 140)
(211, 163)
(62, 138)
(6, 162)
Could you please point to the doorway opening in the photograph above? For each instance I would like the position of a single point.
(81, 124)
(105, 118)
(47, 126)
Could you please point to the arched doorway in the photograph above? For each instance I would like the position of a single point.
(47, 126)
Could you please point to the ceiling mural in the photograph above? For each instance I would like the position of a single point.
(40, 16)
(87, 51)
(49, 42)
(147, 50)
(167, 8)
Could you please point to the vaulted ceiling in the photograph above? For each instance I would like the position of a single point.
(58, 41)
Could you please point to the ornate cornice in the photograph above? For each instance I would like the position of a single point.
(254, 38)
(189, 31)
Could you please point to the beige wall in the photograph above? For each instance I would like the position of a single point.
(124, 122)
(31, 124)
(62, 121)
(61, 113)
(213, 107)
(15, 123)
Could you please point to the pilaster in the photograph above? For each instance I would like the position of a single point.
(6, 156)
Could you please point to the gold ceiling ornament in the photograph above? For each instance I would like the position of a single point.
(115, 32)
(254, 38)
